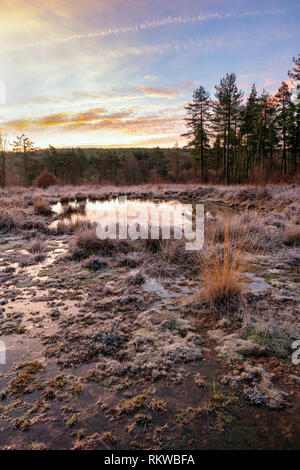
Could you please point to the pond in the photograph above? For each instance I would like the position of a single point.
(134, 211)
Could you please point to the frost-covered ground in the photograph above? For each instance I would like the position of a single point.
(115, 346)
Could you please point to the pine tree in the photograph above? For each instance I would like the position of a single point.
(227, 105)
(3, 156)
(284, 120)
(25, 147)
(294, 75)
(197, 124)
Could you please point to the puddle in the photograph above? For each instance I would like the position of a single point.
(257, 284)
(132, 211)
(168, 294)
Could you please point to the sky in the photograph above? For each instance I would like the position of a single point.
(119, 72)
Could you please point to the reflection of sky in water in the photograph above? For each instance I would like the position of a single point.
(136, 211)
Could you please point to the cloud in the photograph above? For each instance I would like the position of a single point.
(161, 92)
(137, 126)
(151, 78)
(269, 82)
(147, 25)
(123, 122)
(92, 115)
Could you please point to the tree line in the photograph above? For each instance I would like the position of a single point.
(241, 141)
(230, 140)
(92, 165)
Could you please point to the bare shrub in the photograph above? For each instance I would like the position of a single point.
(37, 225)
(45, 180)
(95, 263)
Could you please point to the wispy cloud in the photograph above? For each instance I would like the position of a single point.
(161, 92)
(147, 25)
(124, 122)
(206, 45)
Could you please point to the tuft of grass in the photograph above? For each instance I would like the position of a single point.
(7, 222)
(109, 437)
(87, 243)
(70, 209)
(72, 421)
(218, 406)
(37, 246)
(291, 235)
(41, 207)
(72, 226)
(222, 266)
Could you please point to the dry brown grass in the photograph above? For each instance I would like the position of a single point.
(37, 246)
(87, 243)
(8, 223)
(42, 207)
(71, 226)
(70, 209)
(291, 235)
(221, 266)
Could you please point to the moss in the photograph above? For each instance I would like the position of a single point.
(218, 406)
(142, 419)
(158, 405)
(274, 338)
(37, 446)
(270, 276)
(31, 367)
(129, 406)
(5, 410)
(109, 437)
(57, 382)
(76, 389)
(80, 433)
(188, 414)
(24, 383)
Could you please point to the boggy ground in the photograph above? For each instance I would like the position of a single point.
(118, 346)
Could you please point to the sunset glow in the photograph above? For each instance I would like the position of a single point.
(119, 73)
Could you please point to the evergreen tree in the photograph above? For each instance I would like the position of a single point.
(294, 75)
(24, 146)
(197, 124)
(227, 106)
(3, 156)
(284, 120)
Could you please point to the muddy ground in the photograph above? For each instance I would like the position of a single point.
(111, 352)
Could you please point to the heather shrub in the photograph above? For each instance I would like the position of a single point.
(41, 207)
(7, 222)
(45, 180)
(291, 235)
(87, 243)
